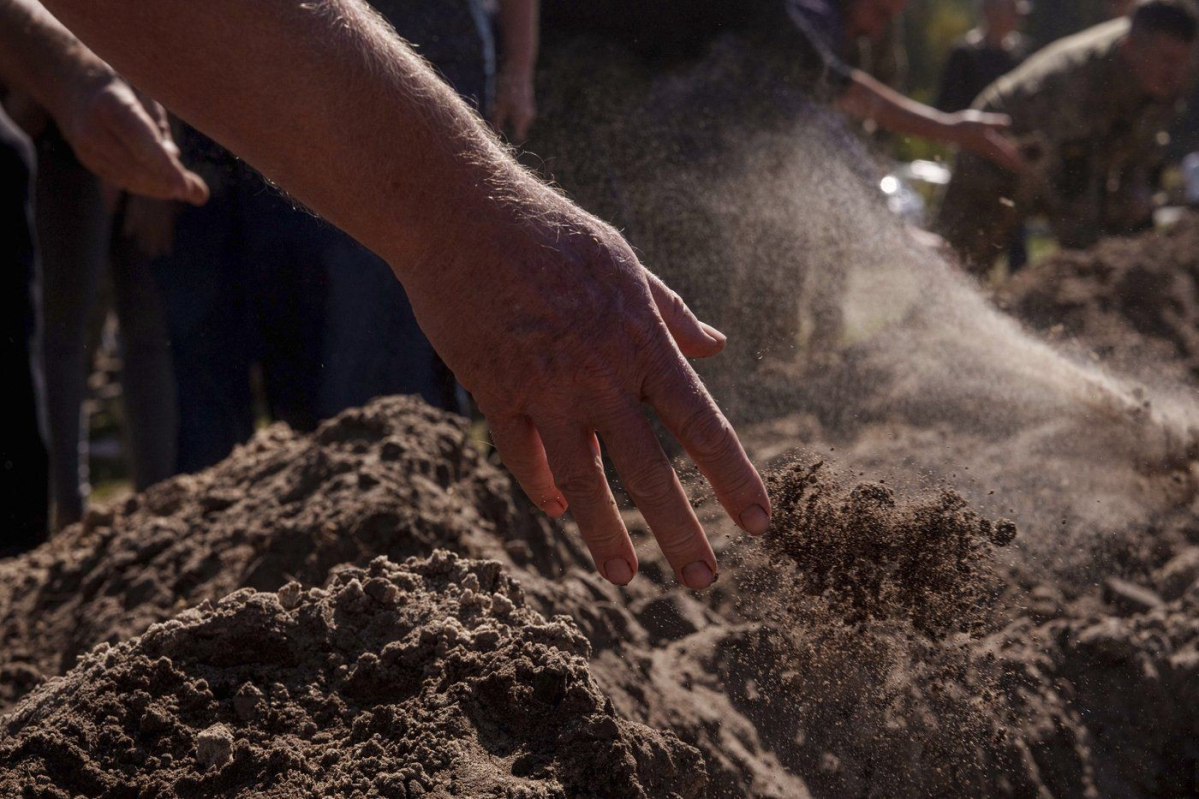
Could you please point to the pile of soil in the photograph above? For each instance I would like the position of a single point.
(874, 641)
(395, 479)
(1133, 302)
(426, 678)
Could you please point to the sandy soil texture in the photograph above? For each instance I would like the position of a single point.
(427, 678)
(925, 667)
(1132, 302)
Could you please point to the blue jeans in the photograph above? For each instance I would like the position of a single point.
(244, 286)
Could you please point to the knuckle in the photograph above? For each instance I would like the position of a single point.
(682, 546)
(708, 435)
(583, 485)
(740, 487)
(651, 485)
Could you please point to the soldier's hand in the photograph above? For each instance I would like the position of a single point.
(124, 138)
(985, 134)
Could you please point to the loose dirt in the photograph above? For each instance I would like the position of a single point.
(1132, 302)
(396, 479)
(889, 637)
(874, 642)
(427, 678)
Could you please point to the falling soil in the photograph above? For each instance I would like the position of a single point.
(927, 563)
(426, 678)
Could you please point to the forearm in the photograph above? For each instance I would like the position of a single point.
(323, 99)
(866, 99)
(519, 21)
(41, 58)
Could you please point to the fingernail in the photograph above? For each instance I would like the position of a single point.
(755, 520)
(714, 334)
(697, 576)
(618, 571)
(554, 508)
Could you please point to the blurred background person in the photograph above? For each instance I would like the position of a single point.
(981, 57)
(518, 24)
(827, 27)
(117, 134)
(1091, 110)
(91, 251)
(985, 53)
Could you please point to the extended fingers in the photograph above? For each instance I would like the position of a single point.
(648, 476)
(521, 449)
(1004, 151)
(154, 155)
(694, 338)
(691, 415)
(579, 473)
(998, 121)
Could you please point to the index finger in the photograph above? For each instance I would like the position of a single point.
(692, 416)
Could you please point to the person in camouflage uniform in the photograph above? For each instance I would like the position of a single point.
(1090, 113)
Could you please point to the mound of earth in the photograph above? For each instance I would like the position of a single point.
(396, 478)
(877, 640)
(1134, 302)
(1104, 692)
(427, 678)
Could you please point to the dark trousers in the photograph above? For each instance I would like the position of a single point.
(78, 252)
(244, 286)
(24, 477)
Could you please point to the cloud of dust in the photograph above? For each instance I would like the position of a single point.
(844, 330)
(838, 311)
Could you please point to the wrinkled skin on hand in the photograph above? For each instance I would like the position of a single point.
(125, 138)
(547, 317)
(985, 134)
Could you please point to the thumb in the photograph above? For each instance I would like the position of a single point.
(694, 338)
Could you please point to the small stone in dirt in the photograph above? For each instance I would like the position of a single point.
(248, 702)
(1129, 598)
(289, 595)
(1179, 574)
(214, 746)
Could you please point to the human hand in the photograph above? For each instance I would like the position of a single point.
(125, 138)
(150, 223)
(515, 103)
(547, 317)
(985, 134)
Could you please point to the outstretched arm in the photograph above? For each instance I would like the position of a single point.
(118, 134)
(866, 98)
(541, 310)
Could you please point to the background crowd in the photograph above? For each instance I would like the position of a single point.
(244, 307)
